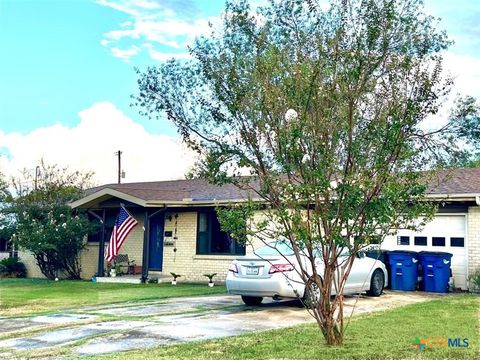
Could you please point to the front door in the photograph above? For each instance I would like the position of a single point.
(156, 243)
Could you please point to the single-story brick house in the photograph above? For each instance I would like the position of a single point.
(178, 230)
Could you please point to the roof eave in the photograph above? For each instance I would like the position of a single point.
(83, 202)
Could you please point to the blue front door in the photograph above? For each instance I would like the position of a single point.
(156, 243)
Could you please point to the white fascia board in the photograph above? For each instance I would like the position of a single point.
(107, 191)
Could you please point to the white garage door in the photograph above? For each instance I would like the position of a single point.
(445, 233)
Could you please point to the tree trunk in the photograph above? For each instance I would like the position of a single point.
(333, 335)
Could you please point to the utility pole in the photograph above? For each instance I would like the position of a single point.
(37, 174)
(119, 154)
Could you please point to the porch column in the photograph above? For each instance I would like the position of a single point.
(101, 249)
(146, 237)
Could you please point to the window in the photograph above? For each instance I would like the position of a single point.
(457, 242)
(403, 240)
(211, 240)
(420, 240)
(4, 245)
(438, 241)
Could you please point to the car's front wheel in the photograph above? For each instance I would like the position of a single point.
(377, 283)
(252, 300)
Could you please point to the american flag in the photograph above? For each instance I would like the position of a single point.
(123, 225)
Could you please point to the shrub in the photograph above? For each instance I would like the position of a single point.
(12, 267)
(475, 279)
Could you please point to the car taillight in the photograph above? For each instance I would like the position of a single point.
(280, 268)
(233, 268)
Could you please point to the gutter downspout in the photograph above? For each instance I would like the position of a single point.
(146, 242)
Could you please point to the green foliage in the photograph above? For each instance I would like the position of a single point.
(464, 128)
(118, 270)
(475, 279)
(43, 223)
(325, 110)
(12, 267)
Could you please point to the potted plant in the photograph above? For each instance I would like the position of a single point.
(210, 278)
(110, 270)
(175, 276)
(118, 270)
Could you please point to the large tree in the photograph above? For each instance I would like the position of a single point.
(323, 108)
(43, 223)
(464, 128)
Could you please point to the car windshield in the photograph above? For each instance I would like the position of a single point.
(275, 248)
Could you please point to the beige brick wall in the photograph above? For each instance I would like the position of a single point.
(192, 267)
(185, 261)
(473, 239)
(33, 271)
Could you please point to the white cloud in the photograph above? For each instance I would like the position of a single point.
(162, 56)
(161, 23)
(466, 72)
(90, 146)
(126, 54)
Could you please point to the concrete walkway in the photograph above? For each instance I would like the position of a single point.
(103, 329)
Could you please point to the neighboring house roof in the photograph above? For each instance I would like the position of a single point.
(461, 184)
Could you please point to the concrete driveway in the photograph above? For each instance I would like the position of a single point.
(112, 328)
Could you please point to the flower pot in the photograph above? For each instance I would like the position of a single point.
(210, 284)
(113, 273)
(174, 282)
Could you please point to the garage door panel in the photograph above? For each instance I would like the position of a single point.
(442, 226)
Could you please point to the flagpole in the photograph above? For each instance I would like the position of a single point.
(122, 205)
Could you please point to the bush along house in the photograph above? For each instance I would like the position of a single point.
(178, 230)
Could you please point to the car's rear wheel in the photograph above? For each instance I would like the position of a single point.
(377, 283)
(252, 300)
(312, 294)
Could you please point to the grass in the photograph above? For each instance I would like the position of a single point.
(386, 335)
(28, 296)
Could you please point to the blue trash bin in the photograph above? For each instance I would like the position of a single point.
(435, 271)
(404, 270)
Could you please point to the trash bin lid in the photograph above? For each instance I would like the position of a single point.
(403, 252)
(435, 253)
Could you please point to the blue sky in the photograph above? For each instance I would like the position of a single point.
(53, 63)
(64, 58)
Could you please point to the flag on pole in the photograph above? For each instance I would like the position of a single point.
(123, 225)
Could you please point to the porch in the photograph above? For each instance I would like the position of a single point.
(179, 234)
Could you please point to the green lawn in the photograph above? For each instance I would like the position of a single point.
(387, 335)
(24, 296)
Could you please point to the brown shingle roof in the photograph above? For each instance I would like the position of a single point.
(456, 181)
(448, 182)
(177, 190)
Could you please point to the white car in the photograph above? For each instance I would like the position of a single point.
(270, 272)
